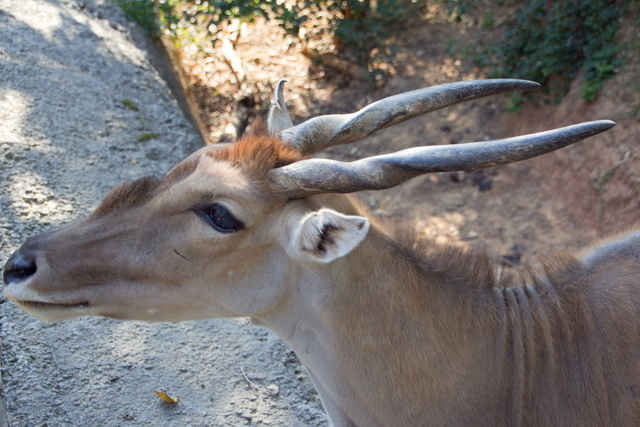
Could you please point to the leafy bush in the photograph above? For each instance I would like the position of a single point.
(550, 41)
(141, 11)
(216, 12)
(360, 28)
(150, 14)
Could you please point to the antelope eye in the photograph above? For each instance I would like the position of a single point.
(222, 220)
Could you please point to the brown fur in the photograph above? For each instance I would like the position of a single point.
(556, 348)
(258, 153)
(181, 170)
(127, 195)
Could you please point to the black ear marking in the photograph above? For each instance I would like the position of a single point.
(326, 237)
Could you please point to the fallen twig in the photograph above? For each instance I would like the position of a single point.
(251, 383)
(231, 58)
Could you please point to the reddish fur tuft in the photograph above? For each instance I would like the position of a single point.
(258, 152)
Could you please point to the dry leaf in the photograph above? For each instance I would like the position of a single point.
(164, 396)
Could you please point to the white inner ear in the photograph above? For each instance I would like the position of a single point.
(325, 235)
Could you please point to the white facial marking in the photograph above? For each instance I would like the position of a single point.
(21, 292)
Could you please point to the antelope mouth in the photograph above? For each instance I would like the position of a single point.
(51, 305)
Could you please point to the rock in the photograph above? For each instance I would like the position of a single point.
(273, 390)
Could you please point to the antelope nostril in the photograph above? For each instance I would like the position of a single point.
(18, 268)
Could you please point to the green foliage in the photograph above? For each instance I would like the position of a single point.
(151, 15)
(488, 22)
(216, 12)
(129, 104)
(459, 7)
(550, 42)
(141, 11)
(146, 136)
(360, 28)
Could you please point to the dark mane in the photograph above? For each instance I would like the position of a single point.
(474, 265)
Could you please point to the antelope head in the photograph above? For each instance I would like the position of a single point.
(229, 230)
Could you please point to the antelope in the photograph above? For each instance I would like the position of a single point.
(393, 329)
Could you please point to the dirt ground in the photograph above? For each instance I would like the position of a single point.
(564, 200)
(66, 139)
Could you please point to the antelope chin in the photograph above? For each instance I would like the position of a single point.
(54, 312)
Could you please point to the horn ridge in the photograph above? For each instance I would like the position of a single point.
(336, 129)
(314, 176)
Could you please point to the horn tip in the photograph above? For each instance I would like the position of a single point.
(280, 84)
(278, 101)
(506, 85)
(603, 125)
(592, 128)
(528, 84)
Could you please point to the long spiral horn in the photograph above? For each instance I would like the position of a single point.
(325, 131)
(314, 176)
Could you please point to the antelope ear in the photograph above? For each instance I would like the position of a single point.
(326, 235)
